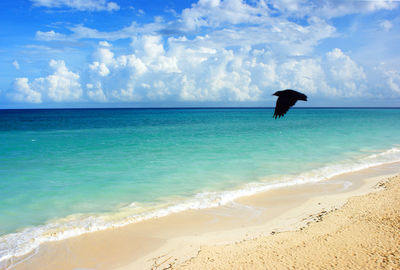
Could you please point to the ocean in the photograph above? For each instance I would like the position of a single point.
(68, 172)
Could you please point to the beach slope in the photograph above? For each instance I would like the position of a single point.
(363, 234)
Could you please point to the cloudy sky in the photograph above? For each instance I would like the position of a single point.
(135, 53)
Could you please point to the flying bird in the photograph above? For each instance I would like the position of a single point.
(286, 99)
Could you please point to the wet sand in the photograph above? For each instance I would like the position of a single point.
(225, 236)
(363, 234)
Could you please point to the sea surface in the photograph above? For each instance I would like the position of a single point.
(68, 172)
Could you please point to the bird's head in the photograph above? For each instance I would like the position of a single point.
(303, 97)
(277, 93)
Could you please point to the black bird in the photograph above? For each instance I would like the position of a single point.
(286, 99)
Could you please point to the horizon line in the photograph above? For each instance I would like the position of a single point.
(199, 107)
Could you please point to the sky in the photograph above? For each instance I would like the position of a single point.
(183, 53)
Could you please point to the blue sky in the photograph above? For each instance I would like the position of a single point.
(112, 53)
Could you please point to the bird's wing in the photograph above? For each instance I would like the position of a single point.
(282, 106)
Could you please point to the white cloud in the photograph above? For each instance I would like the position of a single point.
(95, 92)
(24, 93)
(152, 46)
(134, 64)
(126, 77)
(105, 44)
(224, 15)
(209, 74)
(105, 55)
(386, 25)
(62, 85)
(393, 80)
(101, 68)
(306, 74)
(159, 90)
(331, 8)
(209, 14)
(149, 55)
(345, 73)
(216, 12)
(82, 5)
(80, 31)
(221, 50)
(16, 64)
(49, 36)
(342, 67)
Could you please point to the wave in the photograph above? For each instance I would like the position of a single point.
(29, 239)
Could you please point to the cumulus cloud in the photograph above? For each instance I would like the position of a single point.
(95, 92)
(125, 75)
(188, 71)
(349, 77)
(100, 68)
(82, 5)
(216, 50)
(62, 85)
(24, 93)
(393, 80)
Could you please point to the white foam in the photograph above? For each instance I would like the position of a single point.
(28, 240)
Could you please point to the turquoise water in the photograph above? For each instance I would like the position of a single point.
(72, 171)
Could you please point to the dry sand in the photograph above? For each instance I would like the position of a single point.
(364, 233)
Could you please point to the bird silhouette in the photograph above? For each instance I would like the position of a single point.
(286, 99)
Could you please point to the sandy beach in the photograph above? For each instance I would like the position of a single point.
(363, 234)
(302, 227)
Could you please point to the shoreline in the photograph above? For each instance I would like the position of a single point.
(158, 242)
(362, 234)
(27, 241)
